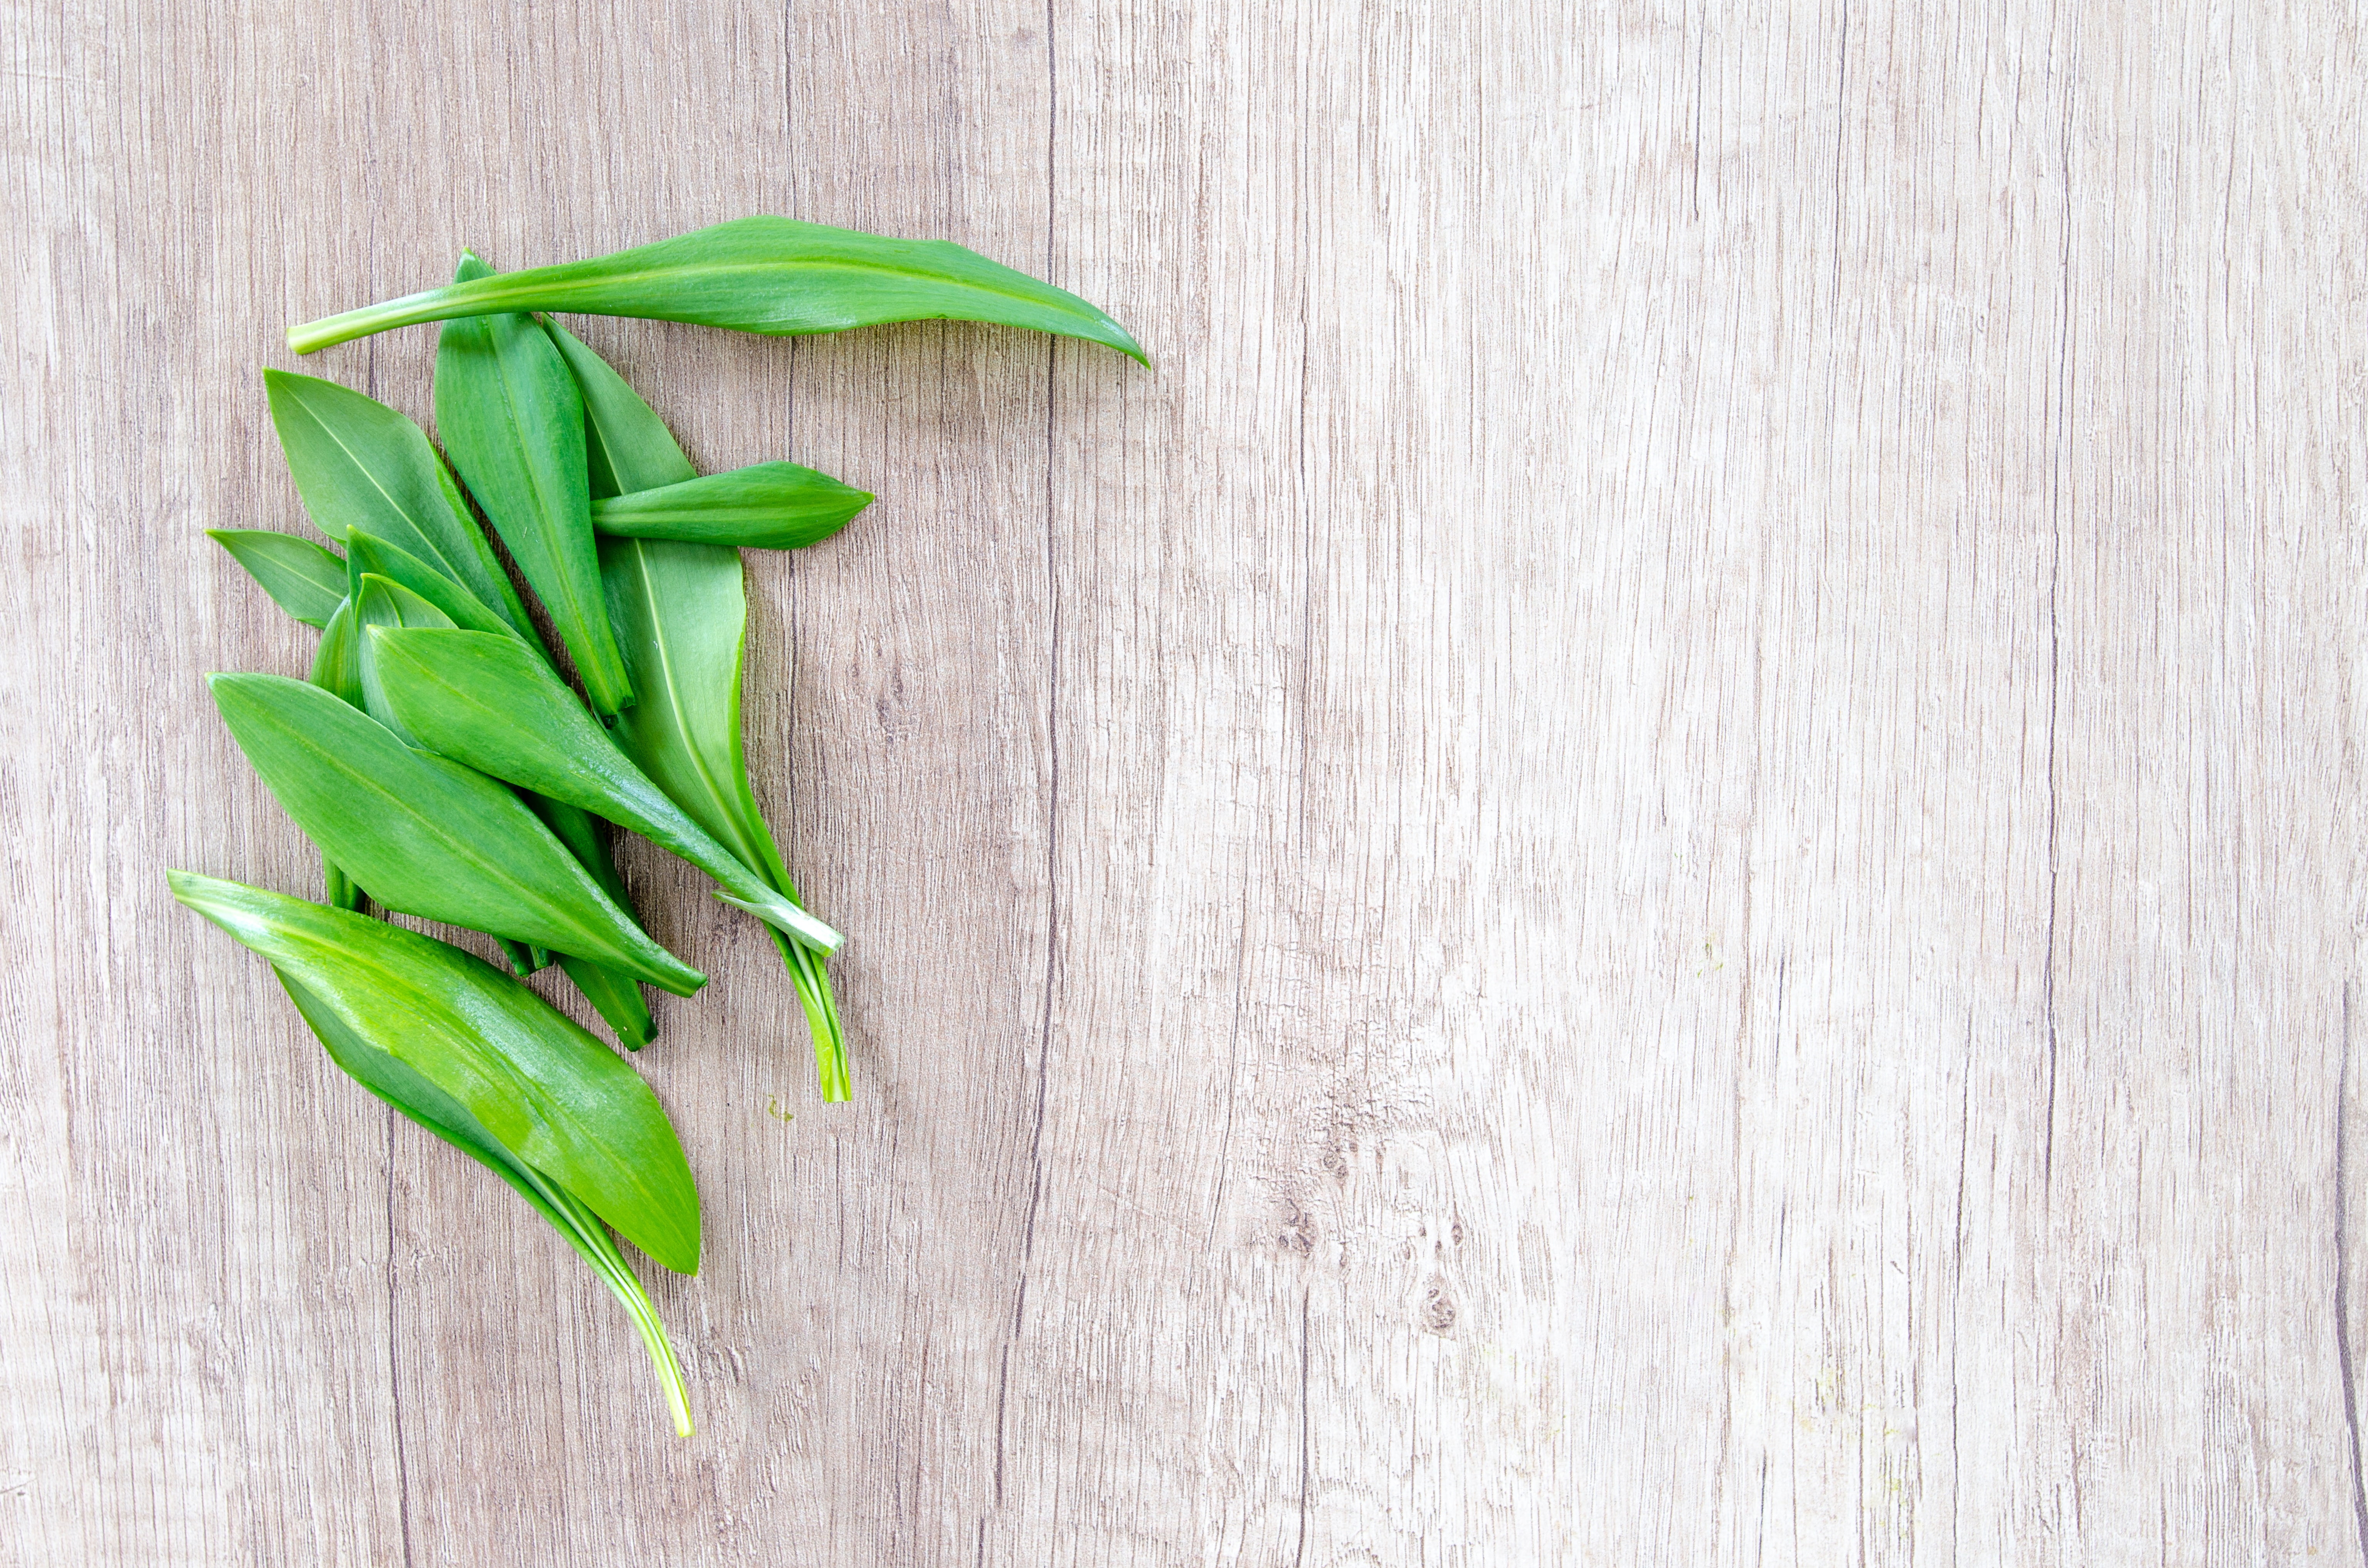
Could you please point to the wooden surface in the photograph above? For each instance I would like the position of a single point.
(1659, 860)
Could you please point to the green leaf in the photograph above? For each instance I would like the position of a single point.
(367, 555)
(336, 663)
(681, 613)
(617, 997)
(773, 505)
(427, 835)
(485, 702)
(303, 578)
(336, 669)
(360, 464)
(627, 447)
(544, 1089)
(381, 601)
(400, 1086)
(510, 414)
(767, 275)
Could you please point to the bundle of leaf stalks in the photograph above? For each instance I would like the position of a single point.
(447, 770)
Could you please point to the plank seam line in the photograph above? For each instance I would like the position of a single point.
(2343, 1280)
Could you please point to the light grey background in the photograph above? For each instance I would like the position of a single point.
(1659, 860)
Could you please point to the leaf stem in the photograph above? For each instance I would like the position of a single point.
(813, 983)
(590, 1238)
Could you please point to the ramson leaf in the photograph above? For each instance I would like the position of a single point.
(766, 274)
(541, 1087)
(303, 578)
(427, 835)
(403, 1086)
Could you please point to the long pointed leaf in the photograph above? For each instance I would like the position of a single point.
(427, 835)
(766, 274)
(400, 1086)
(681, 612)
(775, 506)
(546, 1091)
(487, 703)
(360, 464)
(382, 602)
(303, 578)
(513, 419)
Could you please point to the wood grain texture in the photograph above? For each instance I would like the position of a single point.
(1658, 860)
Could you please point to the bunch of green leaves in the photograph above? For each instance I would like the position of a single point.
(439, 759)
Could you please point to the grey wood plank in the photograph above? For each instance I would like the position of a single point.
(1657, 860)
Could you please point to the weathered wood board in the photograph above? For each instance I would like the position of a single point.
(1660, 859)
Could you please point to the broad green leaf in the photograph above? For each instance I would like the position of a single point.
(681, 614)
(489, 704)
(427, 835)
(367, 553)
(767, 275)
(400, 1086)
(382, 602)
(340, 669)
(510, 414)
(544, 1089)
(303, 578)
(767, 506)
(360, 464)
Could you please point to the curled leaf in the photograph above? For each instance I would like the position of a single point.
(403, 1086)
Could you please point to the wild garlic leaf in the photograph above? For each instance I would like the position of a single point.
(627, 447)
(427, 835)
(617, 997)
(546, 1091)
(336, 669)
(303, 578)
(513, 420)
(681, 616)
(381, 601)
(766, 274)
(489, 704)
(367, 553)
(775, 506)
(680, 612)
(359, 463)
(400, 1086)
